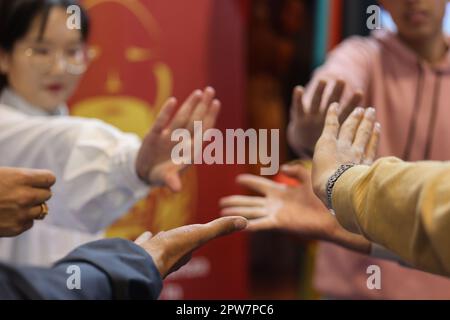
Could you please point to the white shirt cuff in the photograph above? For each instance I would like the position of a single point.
(124, 163)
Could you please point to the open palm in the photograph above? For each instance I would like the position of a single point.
(294, 209)
(281, 207)
(154, 163)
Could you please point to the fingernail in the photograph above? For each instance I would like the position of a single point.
(358, 111)
(378, 126)
(370, 112)
(240, 223)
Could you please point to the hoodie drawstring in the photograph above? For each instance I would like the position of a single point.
(433, 117)
(415, 114)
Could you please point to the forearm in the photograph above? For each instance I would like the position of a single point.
(351, 241)
(106, 269)
(401, 206)
(92, 196)
(358, 243)
(94, 164)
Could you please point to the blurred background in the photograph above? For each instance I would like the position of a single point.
(253, 52)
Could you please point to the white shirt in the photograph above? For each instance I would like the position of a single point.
(96, 178)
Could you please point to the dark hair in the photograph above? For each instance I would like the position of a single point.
(16, 17)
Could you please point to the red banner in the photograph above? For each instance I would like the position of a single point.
(145, 52)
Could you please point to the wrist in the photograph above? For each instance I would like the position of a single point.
(320, 187)
(142, 175)
(350, 240)
(142, 171)
(157, 256)
(332, 181)
(125, 173)
(303, 149)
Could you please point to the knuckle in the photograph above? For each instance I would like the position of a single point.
(358, 151)
(22, 177)
(23, 199)
(50, 178)
(367, 132)
(32, 197)
(46, 195)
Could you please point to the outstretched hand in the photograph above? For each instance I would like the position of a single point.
(355, 142)
(154, 164)
(172, 249)
(307, 119)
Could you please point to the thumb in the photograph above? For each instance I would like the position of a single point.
(200, 234)
(221, 227)
(173, 182)
(181, 242)
(143, 238)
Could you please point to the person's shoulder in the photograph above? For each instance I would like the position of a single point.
(354, 51)
(9, 112)
(371, 44)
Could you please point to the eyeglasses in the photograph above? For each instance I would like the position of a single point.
(74, 61)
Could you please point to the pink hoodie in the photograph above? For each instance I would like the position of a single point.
(413, 106)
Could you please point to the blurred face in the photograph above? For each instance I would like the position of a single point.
(417, 19)
(42, 68)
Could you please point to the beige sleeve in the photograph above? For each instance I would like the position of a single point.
(404, 207)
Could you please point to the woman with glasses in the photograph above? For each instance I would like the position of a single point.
(101, 172)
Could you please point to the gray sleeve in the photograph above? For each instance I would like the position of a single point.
(380, 252)
(107, 269)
